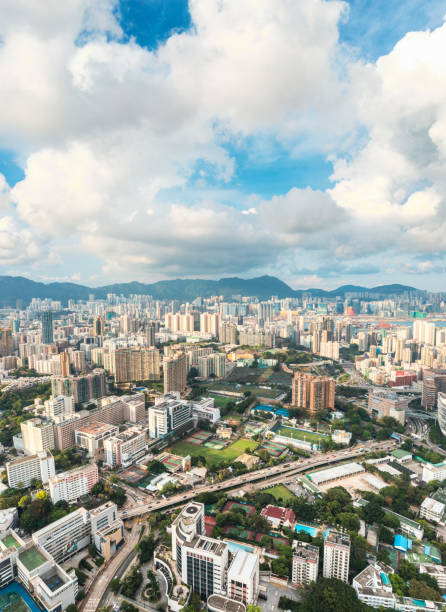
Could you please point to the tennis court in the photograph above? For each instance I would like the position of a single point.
(234, 506)
(172, 462)
(273, 448)
(198, 437)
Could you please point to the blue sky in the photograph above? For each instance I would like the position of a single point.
(134, 136)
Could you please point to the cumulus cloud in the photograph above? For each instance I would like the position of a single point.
(108, 130)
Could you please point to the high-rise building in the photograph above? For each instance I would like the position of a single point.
(46, 318)
(188, 524)
(433, 383)
(175, 373)
(150, 333)
(65, 368)
(78, 360)
(212, 365)
(204, 564)
(336, 555)
(243, 577)
(82, 388)
(6, 343)
(384, 403)
(59, 408)
(227, 333)
(70, 486)
(91, 437)
(65, 537)
(167, 415)
(23, 470)
(98, 326)
(125, 448)
(313, 393)
(441, 412)
(136, 364)
(37, 435)
(305, 566)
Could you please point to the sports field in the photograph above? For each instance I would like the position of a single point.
(300, 434)
(213, 456)
(280, 493)
(273, 448)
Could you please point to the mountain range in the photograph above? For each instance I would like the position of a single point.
(13, 288)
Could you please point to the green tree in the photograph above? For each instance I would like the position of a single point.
(420, 590)
(115, 585)
(331, 595)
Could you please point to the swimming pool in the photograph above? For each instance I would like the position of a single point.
(307, 529)
(16, 597)
(234, 547)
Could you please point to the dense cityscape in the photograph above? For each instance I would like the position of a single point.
(236, 453)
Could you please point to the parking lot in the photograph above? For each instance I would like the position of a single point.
(274, 593)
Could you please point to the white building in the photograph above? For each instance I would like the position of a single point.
(336, 555)
(205, 410)
(433, 471)
(373, 586)
(91, 437)
(167, 415)
(37, 436)
(58, 408)
(432, 510)
(188, 524)
(70, 486)
(436, 571)
(204, 565)
(305, 566)
(243, 577)
(24, 470)
(65, 537)
(126, 447)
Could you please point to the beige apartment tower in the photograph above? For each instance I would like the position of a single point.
(313, 393)
(175, 373)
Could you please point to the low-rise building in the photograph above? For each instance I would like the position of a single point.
(70, 486)
(206, 411)
(432, 510)
(125, 447)
(436, 571)
(373, 586)
(243, 577)
(91, 437)
(276, 516)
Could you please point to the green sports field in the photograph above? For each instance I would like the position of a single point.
(309, 436)
(213, 457)
(280, 492)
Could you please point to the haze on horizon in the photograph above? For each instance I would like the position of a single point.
(190, 139)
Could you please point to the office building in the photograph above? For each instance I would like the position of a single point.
(167, 415)
(175, 373)
(46, 319)
(433, 382)
(204, 563)
(91, 437)
(373, 586)
(83, 388)
(70, 486)
(22, 471)
(107, 530)
(243, 577)
(125, 448)
(37, 435)
(305, 566)
(313, 393)
(336, 555)
(65, 537)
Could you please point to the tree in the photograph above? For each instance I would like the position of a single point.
(24, 501)
(253, 608)
(349, 520)
(41, 495)
(115, 585)
(145, 549)
(420, 590)
(71, 608)
(372, 513)
(331, 595)
(398, 585)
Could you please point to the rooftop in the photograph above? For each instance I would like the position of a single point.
(95, 428)
(337, 537)
(10, 542)
(32, 558)
(306, 551)
(210, 545)
(244, 564)
(218, 603)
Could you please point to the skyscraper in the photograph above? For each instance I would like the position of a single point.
(313, 393)
(46, 318)
(6, 343)
(175, 373)
(98, 326)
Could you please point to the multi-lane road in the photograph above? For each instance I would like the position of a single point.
(278, 472)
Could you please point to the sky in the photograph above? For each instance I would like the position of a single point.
(155, 139)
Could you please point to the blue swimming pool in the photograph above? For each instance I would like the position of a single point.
(234, 547)
(9, 594)
(307, 529)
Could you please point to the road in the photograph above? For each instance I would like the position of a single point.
(100, 583)
(278, 472)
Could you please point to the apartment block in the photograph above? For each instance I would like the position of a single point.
(23, 470)
(70, 486)
(175, 373)
(37, 435)
(336, 555)
(305, 566)
(313, 393)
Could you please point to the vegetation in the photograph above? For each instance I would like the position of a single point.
(131, 582)
(145, 548)
(68, 459)
(106, 491)
(213, 457)
(11, 407)
(331, 595)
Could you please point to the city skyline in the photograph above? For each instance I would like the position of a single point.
(186, 139)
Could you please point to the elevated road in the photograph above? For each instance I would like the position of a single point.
(276, 473)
